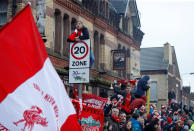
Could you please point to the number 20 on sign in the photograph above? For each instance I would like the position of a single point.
(80, 54)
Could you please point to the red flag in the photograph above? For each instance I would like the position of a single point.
(32, 96)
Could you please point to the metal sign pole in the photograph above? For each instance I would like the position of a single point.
(80, 95)
(79, 64)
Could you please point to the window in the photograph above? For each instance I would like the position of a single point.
(3, 11)
(128, 53)
(73, 24)
(66, 33)
(119, 46)
(57, 18)
(124, 49)
(153, 91)
(96, 49)
(87, 88)
(103, 93)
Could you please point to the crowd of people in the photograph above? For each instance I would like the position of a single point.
(126, 111)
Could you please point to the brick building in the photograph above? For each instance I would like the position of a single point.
(161, 65)
(112, 24)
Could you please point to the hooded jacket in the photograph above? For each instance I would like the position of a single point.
(142, 86)
(136, 124)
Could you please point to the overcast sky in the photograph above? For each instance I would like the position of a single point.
(170, 21)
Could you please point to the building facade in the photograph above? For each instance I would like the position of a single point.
(112, 25)
(188, 97)
(160, 64)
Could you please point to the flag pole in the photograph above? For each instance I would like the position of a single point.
(148, 101)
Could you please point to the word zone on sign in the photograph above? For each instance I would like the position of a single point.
(79, 63)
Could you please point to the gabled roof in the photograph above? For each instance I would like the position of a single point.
(135, 12)
(153, 59)
(120, 5)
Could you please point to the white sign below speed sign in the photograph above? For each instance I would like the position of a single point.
(80, 54)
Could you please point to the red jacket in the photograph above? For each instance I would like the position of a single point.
(138, 102)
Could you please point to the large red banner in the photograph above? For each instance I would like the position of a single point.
(93, 100)
(91, 119)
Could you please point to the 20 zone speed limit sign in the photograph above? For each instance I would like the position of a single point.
(80, 54)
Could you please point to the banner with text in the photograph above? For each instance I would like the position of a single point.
(91, 119)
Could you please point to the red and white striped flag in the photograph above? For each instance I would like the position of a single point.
(32, 96)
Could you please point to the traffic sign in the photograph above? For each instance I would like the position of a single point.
(80, 54)
(79, 75)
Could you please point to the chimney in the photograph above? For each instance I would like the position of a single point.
(168, 53)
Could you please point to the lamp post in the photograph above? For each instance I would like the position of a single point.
(111, 90)
(111, 87)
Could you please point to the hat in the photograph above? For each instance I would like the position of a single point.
(154, 117)
(190, 122)
(169, 120)
(182, 119)
(157, 116)
(163, 107)
(153, 106)
(121, 81)
(148, 115)
(132, 82)
(142, 109)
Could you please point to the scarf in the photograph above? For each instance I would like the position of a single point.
(128, 100)
(76, 33)
(116, 118)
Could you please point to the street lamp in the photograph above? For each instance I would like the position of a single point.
(111, 87)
